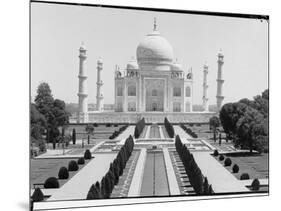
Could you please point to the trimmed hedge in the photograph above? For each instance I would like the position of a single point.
(255, 185)
(81, 161)
(51, 182)
(63, 173)
(197, 180)
(169, 128)
(73, 136)
(103, 189)
(216, 153)
(139, 128)
(73, 166)
(37, 195)
(227, 162)
(244, 176)
(235, 168)
(116, 133)
(87, 155)
(221, 157)
(189, 131)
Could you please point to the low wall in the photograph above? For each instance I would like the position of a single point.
(150, 117)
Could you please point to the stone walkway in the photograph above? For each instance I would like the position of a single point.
(161, 133)
(147, 132)
(78, 186)
(172, 180)
(182, 134)
(136, 183)
(125, 134)
(221, 179)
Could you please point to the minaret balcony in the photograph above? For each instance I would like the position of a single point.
(82, 76)
(220, 97)
(99, 83)
(99, 97)
(82, 94)
(220, 80)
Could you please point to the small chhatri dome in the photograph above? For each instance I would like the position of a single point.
(154, 49)
(82, 47)
(132, 65)
(176, 66)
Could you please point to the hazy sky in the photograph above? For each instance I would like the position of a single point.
(114, 34)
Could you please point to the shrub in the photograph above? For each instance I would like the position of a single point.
(63, 173)
(255, 184)
(51, 182)
(227, 162)
(73, 136)
(37, 195)
(42, 145)
(244, 176)
(235, 168)
(90, 195)
(87, 155)
(169, 128)
(221, 157)
(216, 153)
(81, 161)
(72, 166)
(139, 128)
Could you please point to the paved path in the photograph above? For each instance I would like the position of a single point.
(78, 186)
(172, 180)
(182, 134)
(136, 183)
(129, 131)
(147, 132)
(161, 133)
(221, 179)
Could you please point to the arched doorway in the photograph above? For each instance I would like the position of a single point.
(154, 106)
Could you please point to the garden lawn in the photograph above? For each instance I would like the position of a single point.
(255, 165)
(42, 169)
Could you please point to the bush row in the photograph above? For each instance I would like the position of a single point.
(235, 168)
(169, 128)
(117, 132)
(104, 188)
(189, 131)
(52, 182)
(197, 180)
(139, 128)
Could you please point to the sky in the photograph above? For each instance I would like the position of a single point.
(57, 32)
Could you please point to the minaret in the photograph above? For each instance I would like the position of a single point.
(205, 87)
(82, 92)
(99, 96)
(220, 81)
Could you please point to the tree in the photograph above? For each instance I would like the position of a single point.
(214, 124)
(230, 113)
(73, 136)
(89, 129)
(37, 123)
(250, 129)
(44, 100)
(53, 110)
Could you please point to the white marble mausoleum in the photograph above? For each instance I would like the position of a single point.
(154, 85)
(154, 81)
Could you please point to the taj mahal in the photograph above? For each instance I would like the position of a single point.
(154, 86)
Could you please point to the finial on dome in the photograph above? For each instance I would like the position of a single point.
(155, 24)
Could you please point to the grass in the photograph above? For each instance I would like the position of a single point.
(256, 165)
(41, 169)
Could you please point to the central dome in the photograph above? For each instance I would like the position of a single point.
(154, 50)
